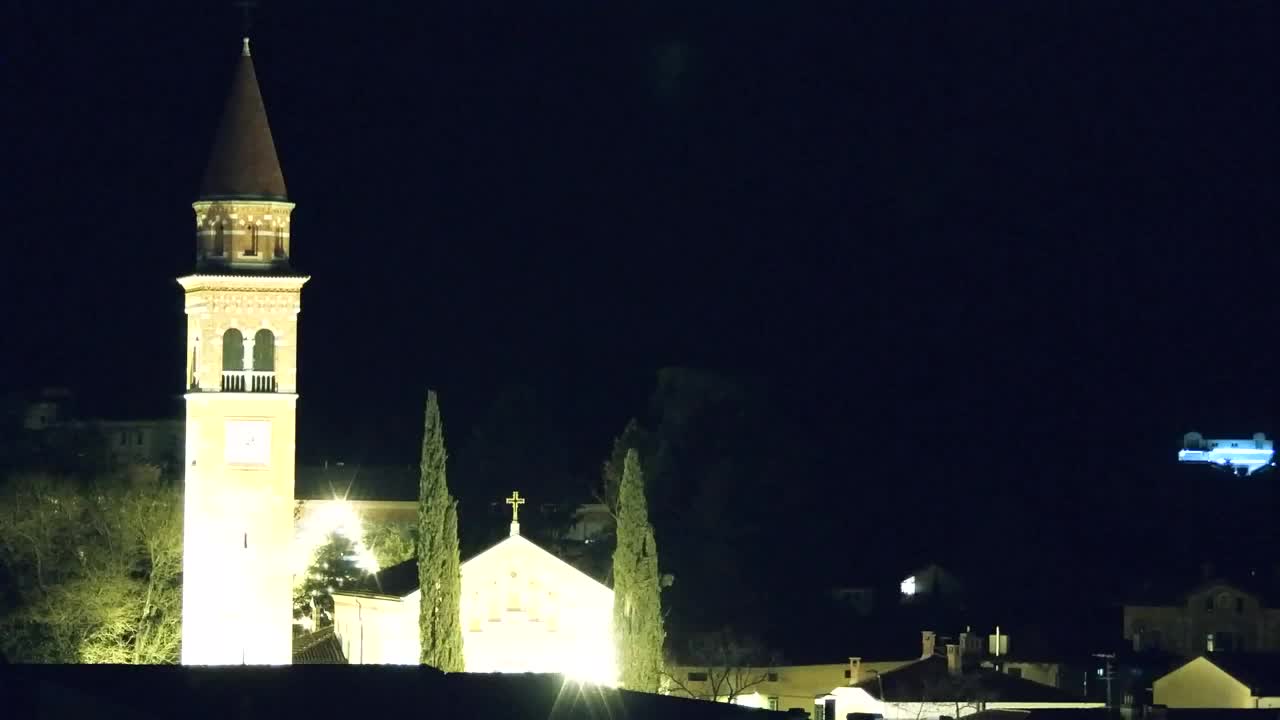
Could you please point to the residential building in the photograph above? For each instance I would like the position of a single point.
(1222, 680)
(1216, 616)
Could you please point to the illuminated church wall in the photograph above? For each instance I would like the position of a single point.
(523, 610)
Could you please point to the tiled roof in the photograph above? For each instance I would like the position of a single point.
(929, 679)
(357, 482)
(396, 581)
(318, 648)
(243, 164)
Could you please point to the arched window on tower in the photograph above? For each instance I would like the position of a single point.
(264, 361)
(279, 242)
(232, 361)
(253, 241)
(219, 239)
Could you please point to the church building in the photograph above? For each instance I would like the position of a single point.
(242, 305)
(523, 610)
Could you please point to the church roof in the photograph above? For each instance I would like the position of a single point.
(401, 580)
(243, 164)
(396, 581)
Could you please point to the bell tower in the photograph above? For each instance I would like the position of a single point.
(241, 383)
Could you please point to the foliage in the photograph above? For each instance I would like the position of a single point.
(335, 566)
(732, 664)
(390, 542)
(637, 604)
(439, 569)
(632, 437)
(95, 568)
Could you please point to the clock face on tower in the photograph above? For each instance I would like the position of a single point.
(248, 442)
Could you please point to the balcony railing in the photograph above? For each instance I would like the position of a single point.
(248, 381)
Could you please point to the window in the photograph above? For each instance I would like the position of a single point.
(771, 677)
(253, 241)
(773, 702)
(697, 677)
(124, 438)
(279, 252)
(1239, 605)
(232, 350)
(848, 673)
(219, 239)
(1222, 642)
(264, 350)
(137, 439)
(1208, 604)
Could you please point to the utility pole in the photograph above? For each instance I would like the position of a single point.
(1110, 672)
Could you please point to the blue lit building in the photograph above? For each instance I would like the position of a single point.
(1241, 457)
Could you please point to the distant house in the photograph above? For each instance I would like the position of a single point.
(1222, 680)
(771, 687)
(942, 686)
(1216, 616)
(150, 441)
(930, 583)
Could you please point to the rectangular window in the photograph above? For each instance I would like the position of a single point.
(1239, 605)
(138, 439)
(253, 241)
(848, 673)
(219, 240)
(697, 677)
(1208, 643)
(773, 702)
(1208, 604)
(772, 677)
(279, 242)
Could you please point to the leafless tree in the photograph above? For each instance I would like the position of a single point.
(720, 666)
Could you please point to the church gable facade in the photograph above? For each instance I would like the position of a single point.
(523, 610)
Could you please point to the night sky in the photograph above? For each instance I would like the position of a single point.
(992, 258)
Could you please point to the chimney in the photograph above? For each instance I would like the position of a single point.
(998, 644)
(855, 670)
(955, 665)
(928, 639)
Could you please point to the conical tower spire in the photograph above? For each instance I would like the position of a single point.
(244, 165)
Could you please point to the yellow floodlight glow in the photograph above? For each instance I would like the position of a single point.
(322, 519)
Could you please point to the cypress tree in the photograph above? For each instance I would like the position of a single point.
(439, 573)
(637, 605)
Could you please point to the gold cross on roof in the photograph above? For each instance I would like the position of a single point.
(515, 501)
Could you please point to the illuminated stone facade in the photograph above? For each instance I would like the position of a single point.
(241, 380)
(523, 610)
